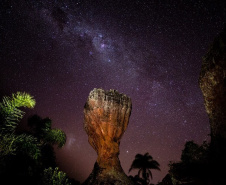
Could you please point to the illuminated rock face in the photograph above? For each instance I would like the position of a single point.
(213, 85)
(106, 116)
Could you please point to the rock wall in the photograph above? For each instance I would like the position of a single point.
(213, 85)
(106, 116)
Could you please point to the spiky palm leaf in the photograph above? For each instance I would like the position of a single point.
(10, 115)
(9, 110)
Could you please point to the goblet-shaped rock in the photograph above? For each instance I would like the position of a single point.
(106, 116)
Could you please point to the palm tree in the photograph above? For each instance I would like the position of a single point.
(144, 163)
(12, 143)
(10, 115)
(24, 155)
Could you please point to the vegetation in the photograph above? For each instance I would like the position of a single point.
(54, 177)
(10, 115)
(28, 157)
(194, 166)
(144, 164)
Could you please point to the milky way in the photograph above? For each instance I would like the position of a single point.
(150, 50)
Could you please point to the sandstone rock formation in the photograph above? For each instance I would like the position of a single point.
(106, 116)
(213, 85)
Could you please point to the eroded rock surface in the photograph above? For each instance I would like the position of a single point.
(106, 116)
(213, 85)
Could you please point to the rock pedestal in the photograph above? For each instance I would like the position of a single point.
(106, 116)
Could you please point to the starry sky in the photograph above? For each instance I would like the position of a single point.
(58, 51)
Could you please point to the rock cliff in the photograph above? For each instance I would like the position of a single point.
(106, 116)
(213, 85)
(212, 82)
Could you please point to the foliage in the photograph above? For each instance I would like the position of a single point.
(47, 137)
(10, 114)
(24, 156)
(54, 177)
(27, 144)
(137, 180)
(144, 164)
(194, 153)
(12, 144)
(167, 180)
(194, 164)
(41, 128)
(7, 144)
(56, 136)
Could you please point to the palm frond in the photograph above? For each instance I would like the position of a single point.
(22, 99)
(150, 173)
(139, 172)
(138, 156)
(136, 164)
(9, 110)
(153, 165)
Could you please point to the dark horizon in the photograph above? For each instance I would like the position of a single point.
(149, 50)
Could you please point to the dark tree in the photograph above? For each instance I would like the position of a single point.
(194, 165)
(47, 137)
(144, 164)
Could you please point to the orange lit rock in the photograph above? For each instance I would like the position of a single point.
(106, 116)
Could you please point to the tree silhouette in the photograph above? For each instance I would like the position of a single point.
(47, 137)
(42, 129)
(137, 180)
(144, 164)
(194, 165)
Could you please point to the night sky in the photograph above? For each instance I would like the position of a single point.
(58, 51)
